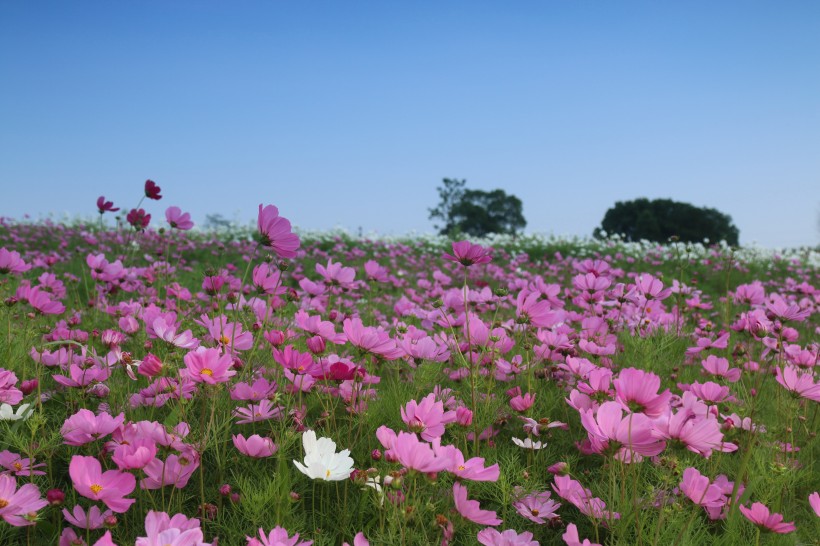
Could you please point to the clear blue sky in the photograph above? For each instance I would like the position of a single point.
(350, 113)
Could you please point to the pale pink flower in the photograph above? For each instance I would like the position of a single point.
(177, 219)
(491, 537)
(255, 446)
(759, 515)
(427, 417)
(470, 509)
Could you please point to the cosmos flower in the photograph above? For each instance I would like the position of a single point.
(321, 460)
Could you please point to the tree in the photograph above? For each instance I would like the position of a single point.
(660, 219)
(476, 212)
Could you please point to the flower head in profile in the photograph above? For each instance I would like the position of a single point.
(152, 190)
(471, 509)
(177, 219)
(759, 515)
(105, 206)
(11, 262)
(467, 254)
(277, 537)
(321, 460)
(276, 233)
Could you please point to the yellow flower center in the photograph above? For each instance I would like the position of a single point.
(96, 488)
(3, 503)
(327, 473)
(461, 467)
(18, 466)
(225, 340)
(207, 371)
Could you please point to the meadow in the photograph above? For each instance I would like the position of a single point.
(167, 386)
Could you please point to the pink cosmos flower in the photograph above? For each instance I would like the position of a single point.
(276, 232)
(336, 274)
(372, 340)
(9, 393)
(470, 509)
(255, 446)
(135, 454)
(719, 367)
(358, 540)
(105, 206)
(630, 435)
(537, 507)
(109, 487)
(522, 403)
(152, 190)
(10, 262)
(177, 219)
(467, 254)
(637, 390)
(206, 365)
(799, 382)
(760, 516)
(473, 469)
(571, 537)
(703, 493)
(85, 426)
(178, 530)
(427, 417)
(93, 519)
(413, 453)
(41, 302)
(700, 434)
(277, 537)
(814, 501)
(175, 470)
(491, 537)
(16, 505)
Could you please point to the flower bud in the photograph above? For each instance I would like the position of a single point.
(151, 366)
(55, 497)
(316, 345)
(29, 386)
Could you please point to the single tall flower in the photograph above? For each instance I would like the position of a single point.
(177, 219)
(105, 206)
(138, 218)
(321, 460)
(467, 254)
(152, 190)
(276, 232)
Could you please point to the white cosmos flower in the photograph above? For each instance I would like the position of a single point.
(7, 413)
(527, 443)
(321, 460)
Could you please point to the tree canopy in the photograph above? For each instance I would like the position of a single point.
(660, 219)
(476, 212)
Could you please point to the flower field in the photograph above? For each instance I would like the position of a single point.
(163, 386)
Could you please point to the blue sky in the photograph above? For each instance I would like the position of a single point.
(350, 113)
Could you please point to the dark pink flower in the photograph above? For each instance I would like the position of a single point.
(138, 218)
(105, 206)
(467, 254)
(152, 190)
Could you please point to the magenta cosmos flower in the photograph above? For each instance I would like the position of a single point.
(467, 254)
(177, 219)
(152, 190)
(427, 417)
(276, 232)
(138, 218)
(207, 365)
(491, 537)
(105, 206)
(17, 504)
(470, 509)
(11, 262)
(630, 435)
(277, 537)
(109, 487)
(255, 446)
(760, 516)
